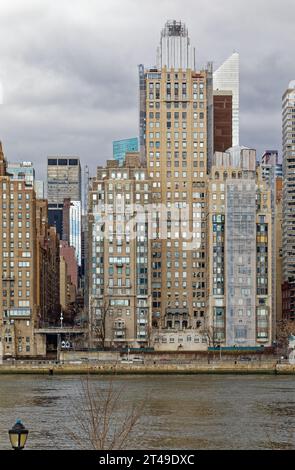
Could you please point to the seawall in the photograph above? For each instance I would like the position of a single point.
(153, 369)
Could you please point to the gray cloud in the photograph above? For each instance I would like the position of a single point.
(69, 68)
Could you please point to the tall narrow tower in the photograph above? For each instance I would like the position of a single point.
(288, 116)
(176, 107)
(226, 78)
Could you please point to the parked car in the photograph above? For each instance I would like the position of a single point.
(245, 358)
(138, 360)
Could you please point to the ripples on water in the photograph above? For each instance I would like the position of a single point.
(181, 412)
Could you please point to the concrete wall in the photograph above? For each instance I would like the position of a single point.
(163, 369)
(103, 356)
(40, 345)
(172, 357)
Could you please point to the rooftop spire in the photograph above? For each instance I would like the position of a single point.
(175, 50)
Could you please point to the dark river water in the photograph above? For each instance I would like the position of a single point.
(180, 412)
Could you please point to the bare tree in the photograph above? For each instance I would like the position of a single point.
(285, 329)
(100, 422)
(98, 326)
(209, 333)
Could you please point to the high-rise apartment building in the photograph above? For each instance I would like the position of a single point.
(239, 252)
(26, 171)
(226, 78)
(63, 181)
(68, 275)
(19, 311)
(29, 267)
(288, 127)
(47, 275)
(69, 254)
(270, 162)
(271, 171)
(176, 124)
(39, 189)
(119, 254)
(279, 247)
(84, 253)
(23, 170)
(121, 147)
(288, 299)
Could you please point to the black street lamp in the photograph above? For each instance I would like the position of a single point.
(18, 435)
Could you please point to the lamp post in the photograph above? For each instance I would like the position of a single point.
(18, 435)
(275, 346)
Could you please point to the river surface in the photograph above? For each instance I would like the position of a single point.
(179, 412)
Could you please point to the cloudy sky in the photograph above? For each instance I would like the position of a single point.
(68, 69)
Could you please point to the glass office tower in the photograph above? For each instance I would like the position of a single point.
(121, 147)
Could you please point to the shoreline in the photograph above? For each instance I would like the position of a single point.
(157, 369)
